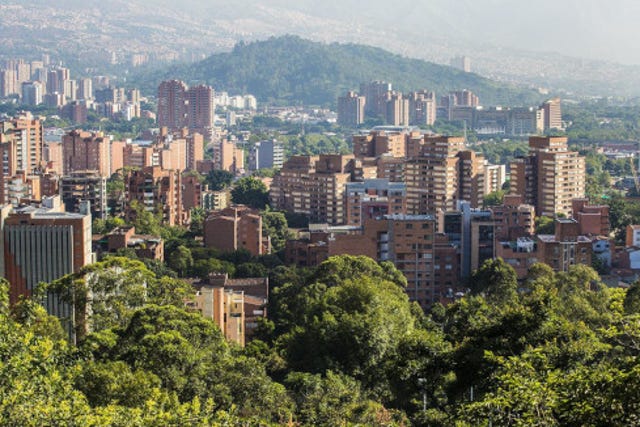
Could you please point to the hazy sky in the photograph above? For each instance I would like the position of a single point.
(601, 29)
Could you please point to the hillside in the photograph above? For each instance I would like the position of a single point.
(292, 70)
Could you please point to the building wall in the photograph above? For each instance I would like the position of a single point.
(158, 191)
(86, 151)
(233, 228)
(351, 109)
(42, 247)
(550, 177)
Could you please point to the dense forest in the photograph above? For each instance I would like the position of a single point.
(343, 346)
(291, 70)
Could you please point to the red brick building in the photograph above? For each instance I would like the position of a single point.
(236, 227)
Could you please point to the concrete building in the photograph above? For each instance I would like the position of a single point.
(21, 145)
(373, 198)
(52, 156)
(313, 186)
(462, 63)
(351, 109)
(397, 110)
(513, 219)
(376, 94)
(552, 114)
(235, 305)
(226, 308)
(85, 89)
(266, 154)
(42, 245)
(550, 177)
(144, 246)
(633, 236)
(84, 151)
(200, 107)
(82, 187)
(172, 104)
(32, 93)
(410, 242)
(195, 150)
(215, 200)
(8, 83)
(566, 247)
(159, 191)
(443, 173)
(192, 190)
(422, 108)
(180, 106)
(236, 227)
(466, 98)
(494, 177)
(326, 188)
(381, 142)
(228, 156)
(592, 219)
(472, 232)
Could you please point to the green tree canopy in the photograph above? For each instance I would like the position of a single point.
(250, 191)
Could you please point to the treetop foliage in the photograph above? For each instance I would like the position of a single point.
(289, 69)
(342, 346)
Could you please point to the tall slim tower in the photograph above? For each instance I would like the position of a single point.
(351, 109)
(552, 114)
(376, 94)
(172, 104)
(550, 177)
(200, 107)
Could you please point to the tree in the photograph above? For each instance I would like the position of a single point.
(331, 399)
(545, 225)
(351, 326)
(198, 215)
(219, 179)
(632, 299)
(181, 260)
(276, 227)
(250, 191)
(103, 294)
(251, 269)
(497, 279)
(109, 382)
(144, 221)
(204, 267)
(493, 199)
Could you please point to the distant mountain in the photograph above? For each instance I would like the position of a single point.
(513, 42)
(289, 69)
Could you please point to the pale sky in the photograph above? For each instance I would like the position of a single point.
(600, 29)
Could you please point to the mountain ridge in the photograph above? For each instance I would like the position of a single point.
(292, 69)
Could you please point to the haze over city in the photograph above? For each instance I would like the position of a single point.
(278, 213)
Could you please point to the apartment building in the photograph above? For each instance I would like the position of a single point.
(314, 186)
(236, 227)
(84, 151)
(21, 144)
(80, 188)
(550, 177)
(159, 191)
(373, 198)
(380, 142)
(42, 245)
(443, 173)
(351, 109)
